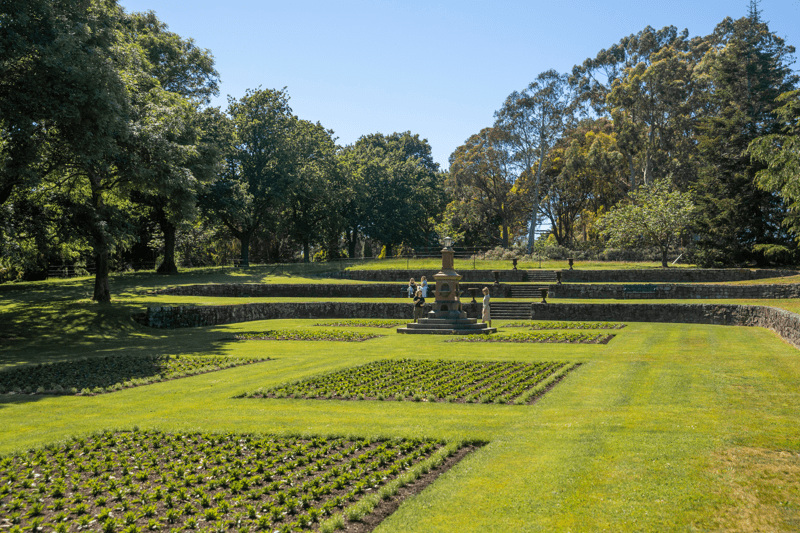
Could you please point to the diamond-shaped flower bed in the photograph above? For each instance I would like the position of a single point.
(430, 381)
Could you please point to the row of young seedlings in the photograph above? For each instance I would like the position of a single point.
(529, 336)
(307, 335)
(361, 323)
(109, 374)
(565, 325)
(422, 380)
(68, 488)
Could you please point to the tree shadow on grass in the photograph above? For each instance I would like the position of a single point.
(69, 330)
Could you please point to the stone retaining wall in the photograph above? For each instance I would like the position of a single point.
(676, 292)
(210, 315)
(671, 275)
(484, 276)
(784, 323)
(327, 290)
(653, 275)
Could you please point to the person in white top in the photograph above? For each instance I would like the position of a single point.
(486, 316)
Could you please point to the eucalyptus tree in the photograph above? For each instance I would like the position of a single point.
(481, 179)
(584, 176)
(533, 121)
(644, 82)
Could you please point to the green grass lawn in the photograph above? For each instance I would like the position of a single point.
(669, 427)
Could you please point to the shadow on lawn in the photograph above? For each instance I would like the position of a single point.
(65, 331)
(9, 400)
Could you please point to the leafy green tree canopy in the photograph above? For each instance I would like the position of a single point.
(655, 216)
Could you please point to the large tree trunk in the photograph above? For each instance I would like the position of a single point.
(168, 266)
(245, 240)
(664, 257)
(352, 238)
(102, 290)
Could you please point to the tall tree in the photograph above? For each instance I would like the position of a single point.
(743, 73)
(312, 199)
(481, 179)
(780, 152)
(584, 176)
(394, 190)
(188, 156)
(644, 83)
(260, 167)
(533, 121)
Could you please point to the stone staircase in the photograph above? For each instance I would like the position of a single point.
(526, 291)
(511, 311)
(448, 326)
(545, 277)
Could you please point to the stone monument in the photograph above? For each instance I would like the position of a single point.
(447, 317)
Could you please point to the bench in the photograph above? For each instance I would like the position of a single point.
(639, 291)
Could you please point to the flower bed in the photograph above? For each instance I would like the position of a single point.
(362, 323)
(148, 480)
(110, 373)
(551, 336)
(429, 381)
(305, 335)
(566, 325)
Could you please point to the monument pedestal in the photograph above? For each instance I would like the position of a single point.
(447, 317)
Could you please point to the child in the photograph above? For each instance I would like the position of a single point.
(412, 288)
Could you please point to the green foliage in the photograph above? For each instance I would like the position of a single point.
(781, 153)
(656, 216)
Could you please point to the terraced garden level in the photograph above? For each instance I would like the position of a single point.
(431, 381)
(110, 373)
(149, 480)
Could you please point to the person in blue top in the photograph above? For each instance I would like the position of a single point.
(424, 287)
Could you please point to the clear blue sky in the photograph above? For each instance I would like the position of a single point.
(436, 68)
